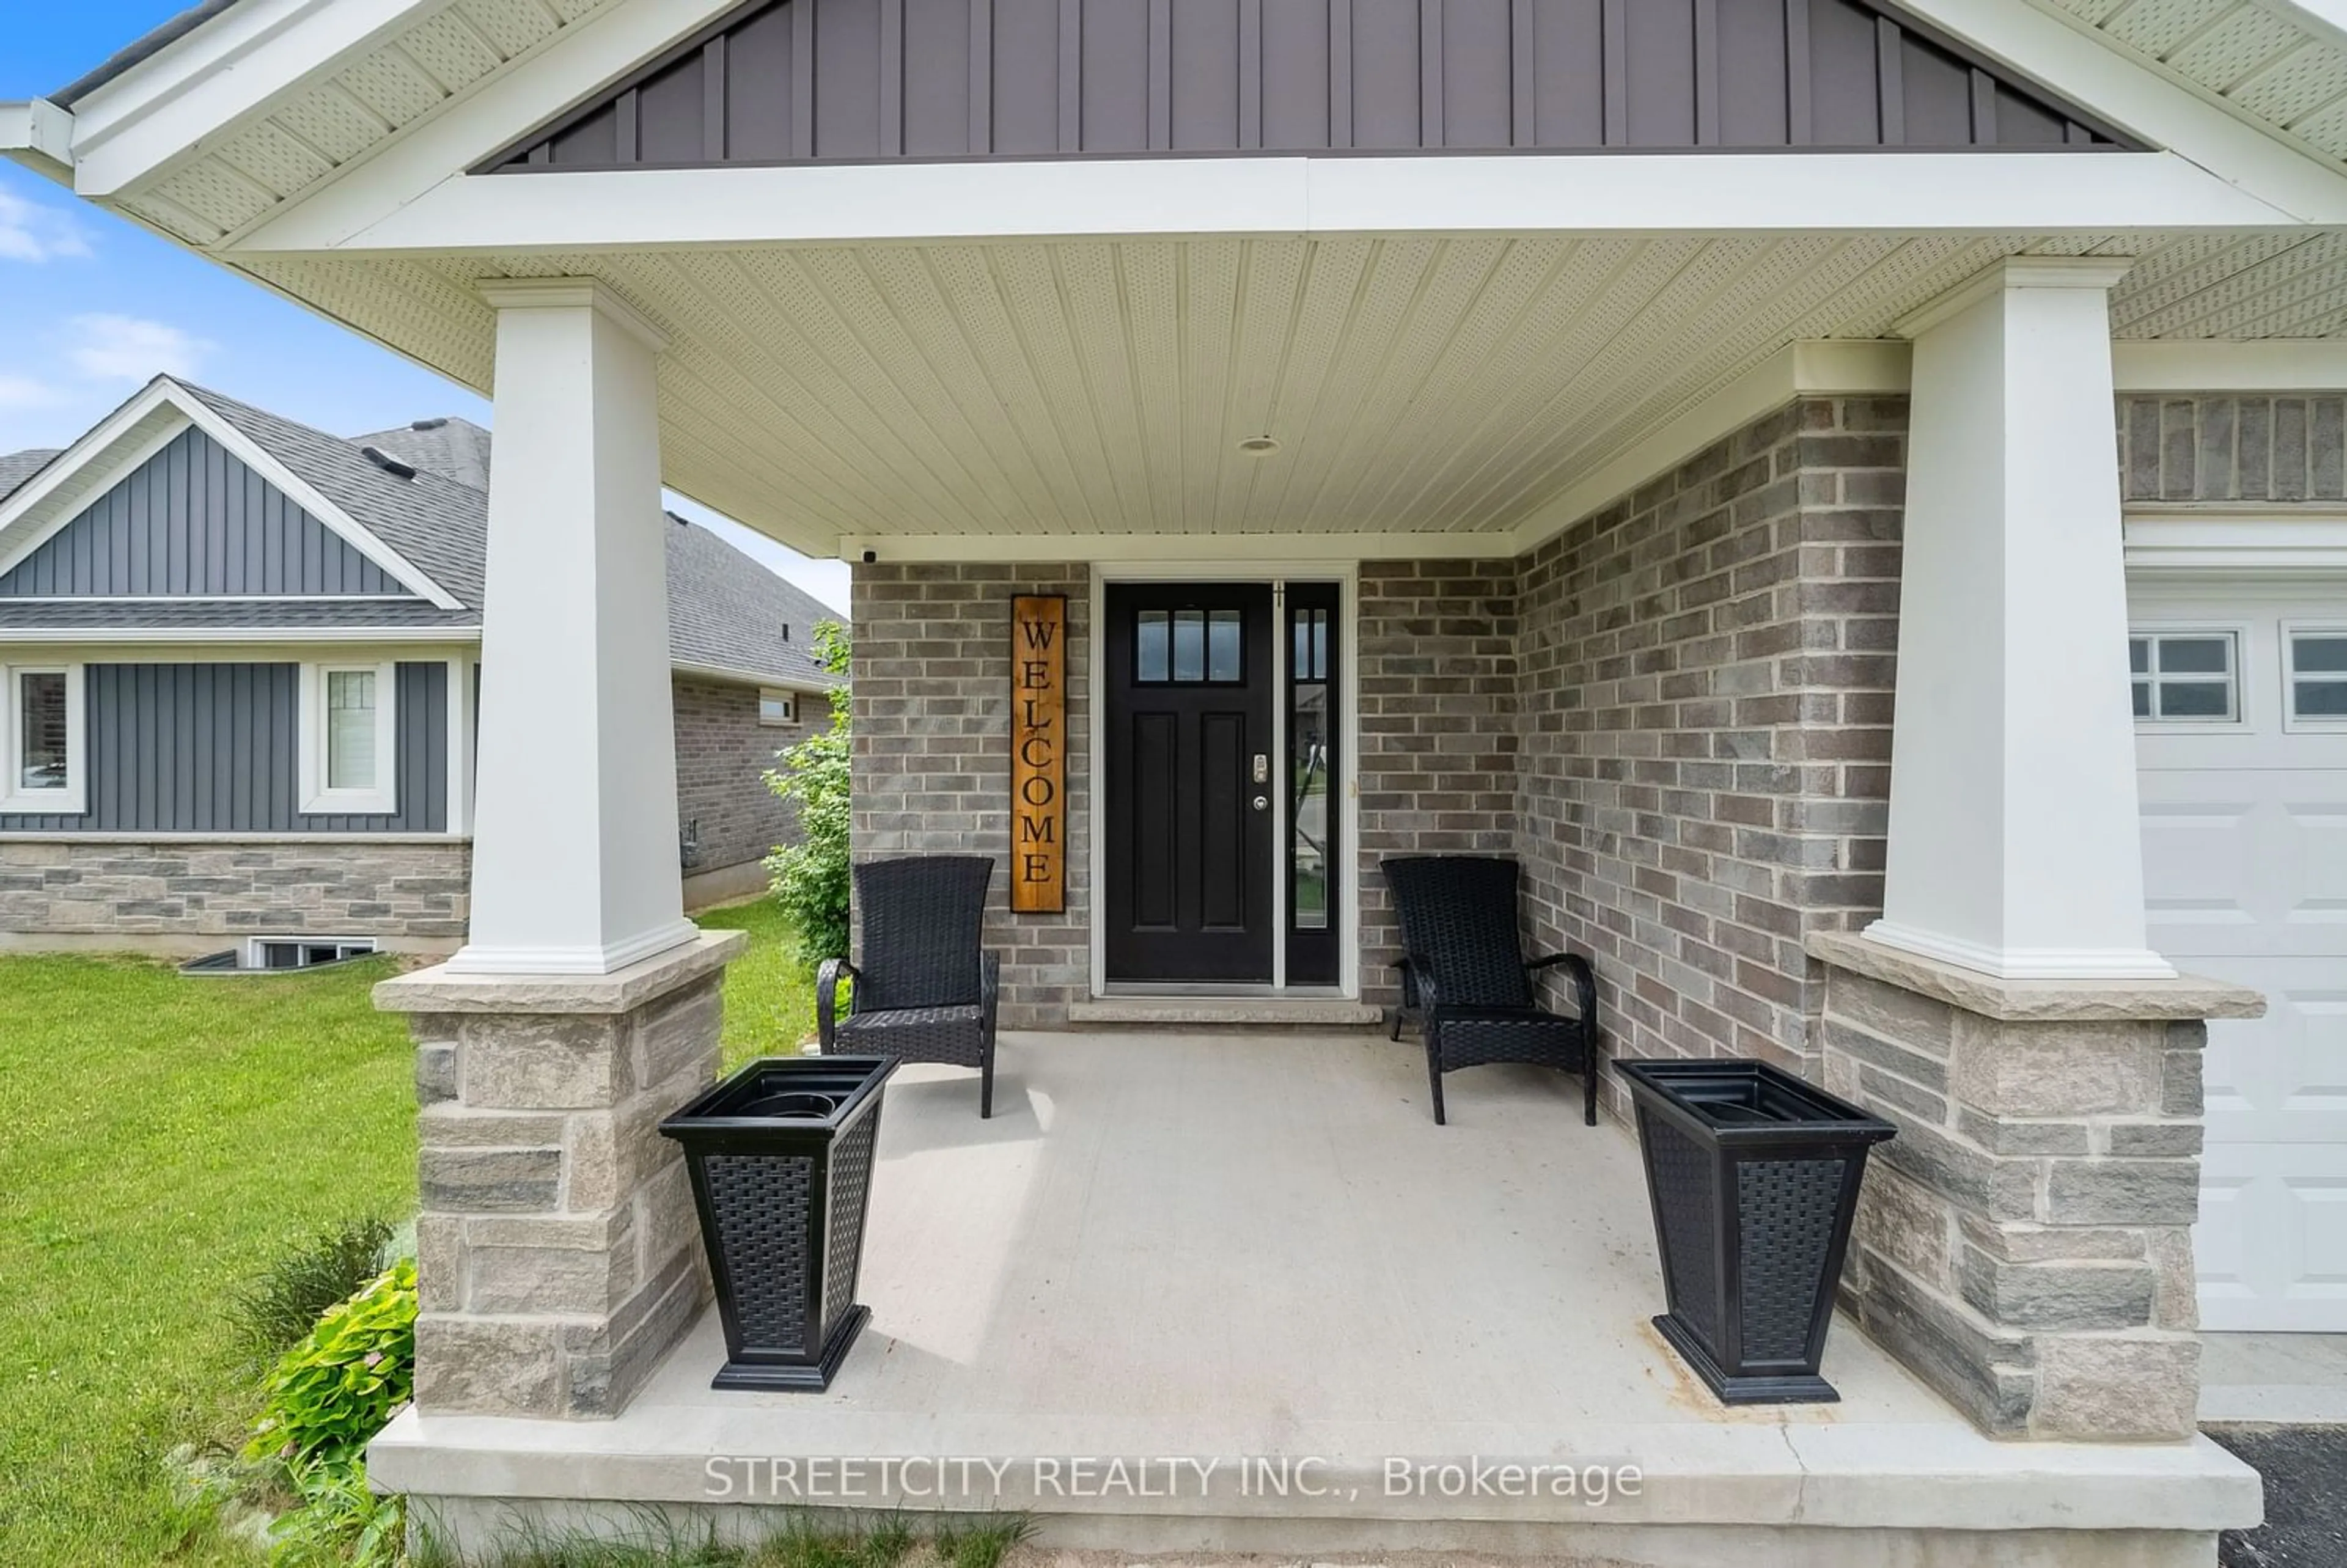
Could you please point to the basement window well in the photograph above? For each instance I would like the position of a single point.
(282, 955)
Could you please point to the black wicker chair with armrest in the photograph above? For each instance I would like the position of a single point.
(1466, 980)
(926, 989)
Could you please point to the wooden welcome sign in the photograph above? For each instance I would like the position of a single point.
(1039, 753)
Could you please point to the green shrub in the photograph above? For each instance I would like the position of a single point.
(328, 1266)
(341, 1383)
(809, 878)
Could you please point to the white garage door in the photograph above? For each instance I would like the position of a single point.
(2242, 736)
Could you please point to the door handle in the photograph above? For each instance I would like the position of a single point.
(1261, 772)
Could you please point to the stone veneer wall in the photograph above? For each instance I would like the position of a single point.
(195, 888)
(1706, 667)
(1438, 682)
(932, 751)
(2213, 447)
(722, 753)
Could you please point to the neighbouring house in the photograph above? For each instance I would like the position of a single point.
(242, 660)
(1848, 493)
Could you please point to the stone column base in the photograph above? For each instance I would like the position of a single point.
(2025, 1243)
(558, 1252)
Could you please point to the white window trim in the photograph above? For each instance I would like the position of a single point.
(2237, 634)
(2292, 723)
(317, 800)
(74, 799)
(791, 710)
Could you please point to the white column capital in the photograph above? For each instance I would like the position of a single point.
(571, 293)
(2101, 272)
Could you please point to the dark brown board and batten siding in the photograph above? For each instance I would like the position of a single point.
(214, 748)
(782, 81)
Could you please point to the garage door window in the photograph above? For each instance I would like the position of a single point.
(2186, 677)
(2318, 678)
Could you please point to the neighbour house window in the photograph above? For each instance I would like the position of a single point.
(1188, 647)
(41, 706)
(2186, 677)
(2317, 677)
(776, 707)
(348, 751)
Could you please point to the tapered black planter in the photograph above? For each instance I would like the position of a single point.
(1754, 1176)
(781, 1158)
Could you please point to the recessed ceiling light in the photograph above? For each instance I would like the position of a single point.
(1259, 446)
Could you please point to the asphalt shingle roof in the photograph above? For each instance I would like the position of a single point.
(727, 610)
(15, 468)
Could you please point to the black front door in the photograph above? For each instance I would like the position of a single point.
(1190, 779)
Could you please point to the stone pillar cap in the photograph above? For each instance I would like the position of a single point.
(1975, 990)
(622, 990)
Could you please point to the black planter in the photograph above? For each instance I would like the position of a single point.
(1754, 1176)
(781, 1158)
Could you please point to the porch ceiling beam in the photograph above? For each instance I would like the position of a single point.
(1256, 549)
(1755, 193)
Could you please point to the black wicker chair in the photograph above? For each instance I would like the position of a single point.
(1465, 979)
(926, 989)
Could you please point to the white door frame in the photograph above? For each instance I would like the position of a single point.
(1275, 575)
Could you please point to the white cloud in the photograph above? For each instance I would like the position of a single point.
(24, 392)
(31, 233)
(107, 347)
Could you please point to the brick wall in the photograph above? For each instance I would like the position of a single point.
(1706, 667)
(722, 755)
(171, 892)
(932, 751)
(1439, 684)
(2209, 447)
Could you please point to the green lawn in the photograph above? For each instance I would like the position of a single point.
(161, 1138)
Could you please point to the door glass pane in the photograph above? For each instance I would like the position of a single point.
(2321, 699)
(350, 729)
(41, 737)
(1151, 660)
(1222, 660)
(1307, 732)
(1189, 645)
(2326, 654)
(2195, 655)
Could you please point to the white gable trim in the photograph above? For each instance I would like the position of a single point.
(410, 193)
(113, 450)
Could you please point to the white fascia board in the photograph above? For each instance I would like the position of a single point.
(733, 677)
(2212, 365)
(132, 434)
(2069, 56)
(132, 645)
(527, 93)
(2326, 19)
(1852, 193)
(38, 135)
(204, 88)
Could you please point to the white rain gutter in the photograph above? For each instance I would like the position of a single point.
(38, 134)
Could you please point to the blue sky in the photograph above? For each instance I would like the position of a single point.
(92, 306)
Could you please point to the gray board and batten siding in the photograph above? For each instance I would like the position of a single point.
(781, 81)
(214, 748)
(194, 520)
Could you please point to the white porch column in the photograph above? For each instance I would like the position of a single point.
(575, 856)
(2013, 842)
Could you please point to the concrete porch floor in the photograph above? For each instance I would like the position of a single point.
(1234, 1249)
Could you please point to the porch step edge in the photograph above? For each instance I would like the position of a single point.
(1323, 1011)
